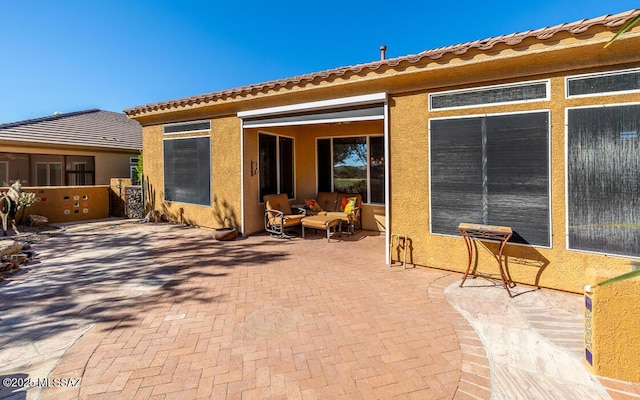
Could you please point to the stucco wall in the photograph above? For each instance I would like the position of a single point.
(554, 267)
(225, 175)
(408, 86)
(612, 328)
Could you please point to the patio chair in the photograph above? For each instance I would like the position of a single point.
(278, 215)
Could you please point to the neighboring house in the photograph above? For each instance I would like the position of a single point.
(72, 149)
(535, 130)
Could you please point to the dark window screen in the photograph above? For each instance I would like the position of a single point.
(325, 165)
(376, 168)
(504, 94)
(187, 127)
(187, 170)
(492, 170)
(286, 166)
(603, 83)
(604, 179)
(276, 165)
(268, 165)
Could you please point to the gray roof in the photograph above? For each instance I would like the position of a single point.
(89, 128)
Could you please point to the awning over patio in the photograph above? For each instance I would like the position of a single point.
(357, 108)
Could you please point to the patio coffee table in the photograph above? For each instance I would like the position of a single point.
(331, 224)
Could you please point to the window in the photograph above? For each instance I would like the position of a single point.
(187, 170)
(603, 188)
(133, 175)
(4, 173)
(187, 127)
(48, 174)
(499, 94)
(492, 170)
(80, 170)
(352, 165)
(276, 165)
(78, 176)
(605, 82)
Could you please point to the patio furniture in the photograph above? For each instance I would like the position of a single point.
(334, 203)
(331, 224)
(278, 215)
(501, 234)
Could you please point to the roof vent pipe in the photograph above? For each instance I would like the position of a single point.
(383, 52)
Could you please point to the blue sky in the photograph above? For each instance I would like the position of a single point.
(72, 55)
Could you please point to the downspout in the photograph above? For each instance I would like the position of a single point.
(387, 191)
(242, 177)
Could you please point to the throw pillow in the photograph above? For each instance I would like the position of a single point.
(343, 203)
(351, 204)
(313, 205)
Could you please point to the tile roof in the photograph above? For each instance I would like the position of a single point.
(574, 28)
(88, 128)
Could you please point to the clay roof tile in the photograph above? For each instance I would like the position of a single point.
(578, 27)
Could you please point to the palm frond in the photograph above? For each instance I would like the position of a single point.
(619, 278)
(625, 28)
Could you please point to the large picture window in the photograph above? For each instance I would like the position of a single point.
(603, 182)
(352, 165)
(276, 165)
(492, 170)
(187, 170)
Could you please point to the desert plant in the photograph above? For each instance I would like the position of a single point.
(139, 170)
(26, 200)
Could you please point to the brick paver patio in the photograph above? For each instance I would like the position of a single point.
(159, 311)
(268, 318)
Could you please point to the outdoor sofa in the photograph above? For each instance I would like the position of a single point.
(336, 204)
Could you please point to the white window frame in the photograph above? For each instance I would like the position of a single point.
(549, 188)
(132, 171)
(566, 177)
(210, 171)
(186, 131)
(368, 143)
(547, 97)
(596, 74)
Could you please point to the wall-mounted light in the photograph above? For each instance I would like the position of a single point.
(254, 168)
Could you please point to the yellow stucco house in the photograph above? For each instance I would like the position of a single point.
(537, 131)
